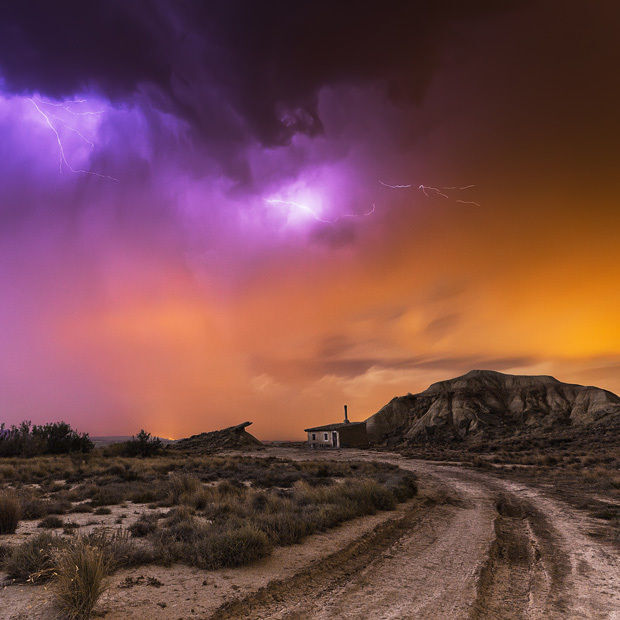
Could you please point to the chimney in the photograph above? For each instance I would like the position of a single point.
(346, 419)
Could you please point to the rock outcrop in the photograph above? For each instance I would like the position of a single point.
(485, 402)
(231, 438)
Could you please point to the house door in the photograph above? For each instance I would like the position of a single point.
(334, 439)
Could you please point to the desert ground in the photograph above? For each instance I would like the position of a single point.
(472, 543)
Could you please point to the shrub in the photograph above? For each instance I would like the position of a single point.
(10, 512)
(372, 494)
(8, 472)
(404, 487)
(182, 486)
(82, 508)
(29, 440)
(142, 444)
(146, 524)
(34, 508)
(231, 548)
(57, 507)
(287, 527)
(120, 551)
(107, 495)
(80, 573)
(33, 559)
(51, 522)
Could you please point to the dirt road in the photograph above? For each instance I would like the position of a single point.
(470, 545)
(491, 548)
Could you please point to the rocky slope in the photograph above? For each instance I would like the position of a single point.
(488, 403)
(231, 438)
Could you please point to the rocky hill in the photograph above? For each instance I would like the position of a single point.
(231, 438)
(492, 404)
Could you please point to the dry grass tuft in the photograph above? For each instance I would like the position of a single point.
(33, 559)
(10, 512)
(80, 578)
(183, 486)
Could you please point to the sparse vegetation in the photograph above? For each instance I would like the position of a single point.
(204, 511)
(579, 465)
(235, 524)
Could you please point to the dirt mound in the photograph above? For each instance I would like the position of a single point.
(231, 438)
(484, 403)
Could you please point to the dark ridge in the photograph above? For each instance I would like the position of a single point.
(231, 438)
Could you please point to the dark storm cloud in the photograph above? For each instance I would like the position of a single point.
(234, 69)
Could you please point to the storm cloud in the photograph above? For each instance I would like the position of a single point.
(236, 71)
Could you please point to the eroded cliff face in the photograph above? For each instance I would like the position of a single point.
(488, 402)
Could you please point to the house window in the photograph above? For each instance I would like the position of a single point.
(313, 436)
(324, 436)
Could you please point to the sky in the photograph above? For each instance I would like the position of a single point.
(234, 210)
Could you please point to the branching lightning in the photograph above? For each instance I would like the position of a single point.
(62, 157)
(306, 209)
(434, 192)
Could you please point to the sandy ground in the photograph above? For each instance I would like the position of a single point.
(456, 557)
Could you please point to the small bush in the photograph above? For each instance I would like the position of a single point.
(80, 574)
(120, 551)
(51, 522)
(10, 512)
(82, 508)
(33, 508)
(183, 486)
(142, 444)
(107, 495)
(231, 548)
(146, 524)
(33, 559)
(287, 528)
(58, 507)
(404, 487)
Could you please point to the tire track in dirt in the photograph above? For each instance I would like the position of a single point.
(506, 551)
(514, 582)
(426, 566)
(288, 598)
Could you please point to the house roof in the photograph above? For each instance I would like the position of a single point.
(333, 427)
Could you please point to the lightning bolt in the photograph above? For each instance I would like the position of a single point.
(443, 192)
(313, 213)
(61, 149)
(394, 186)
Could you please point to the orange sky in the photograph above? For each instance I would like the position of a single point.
(302, 338)
(181, 302)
